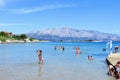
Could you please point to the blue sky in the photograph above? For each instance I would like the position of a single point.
(22, 16)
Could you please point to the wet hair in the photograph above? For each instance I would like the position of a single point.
(118, 62)
(40, 50)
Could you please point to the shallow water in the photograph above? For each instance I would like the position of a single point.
(19, 62)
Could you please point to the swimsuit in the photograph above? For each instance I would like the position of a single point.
(118, 69)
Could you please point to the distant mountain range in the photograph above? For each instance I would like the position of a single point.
(72, 35)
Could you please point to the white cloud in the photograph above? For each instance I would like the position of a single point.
(2, 24)
(10, 24)
(40, 8)
(2, 3)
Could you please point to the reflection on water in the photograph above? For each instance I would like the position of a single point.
(77, 55)
(40, 71)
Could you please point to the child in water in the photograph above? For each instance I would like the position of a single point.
(40, 56)
(90, 58)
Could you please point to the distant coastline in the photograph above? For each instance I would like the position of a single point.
(37, 41)
(9, 37)
(58, 35)
(22, 41)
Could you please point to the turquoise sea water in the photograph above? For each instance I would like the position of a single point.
(18, 61)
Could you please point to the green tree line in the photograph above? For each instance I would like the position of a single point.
(4, 36)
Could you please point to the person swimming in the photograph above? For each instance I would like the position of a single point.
(90, 58)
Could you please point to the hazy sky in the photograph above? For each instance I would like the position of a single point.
(21, 16)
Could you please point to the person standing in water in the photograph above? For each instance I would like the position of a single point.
(77, 50)
(110, 46)
(40, 56)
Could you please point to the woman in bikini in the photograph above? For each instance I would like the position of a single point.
(40, 56)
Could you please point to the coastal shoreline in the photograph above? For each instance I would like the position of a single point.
(22, 41)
